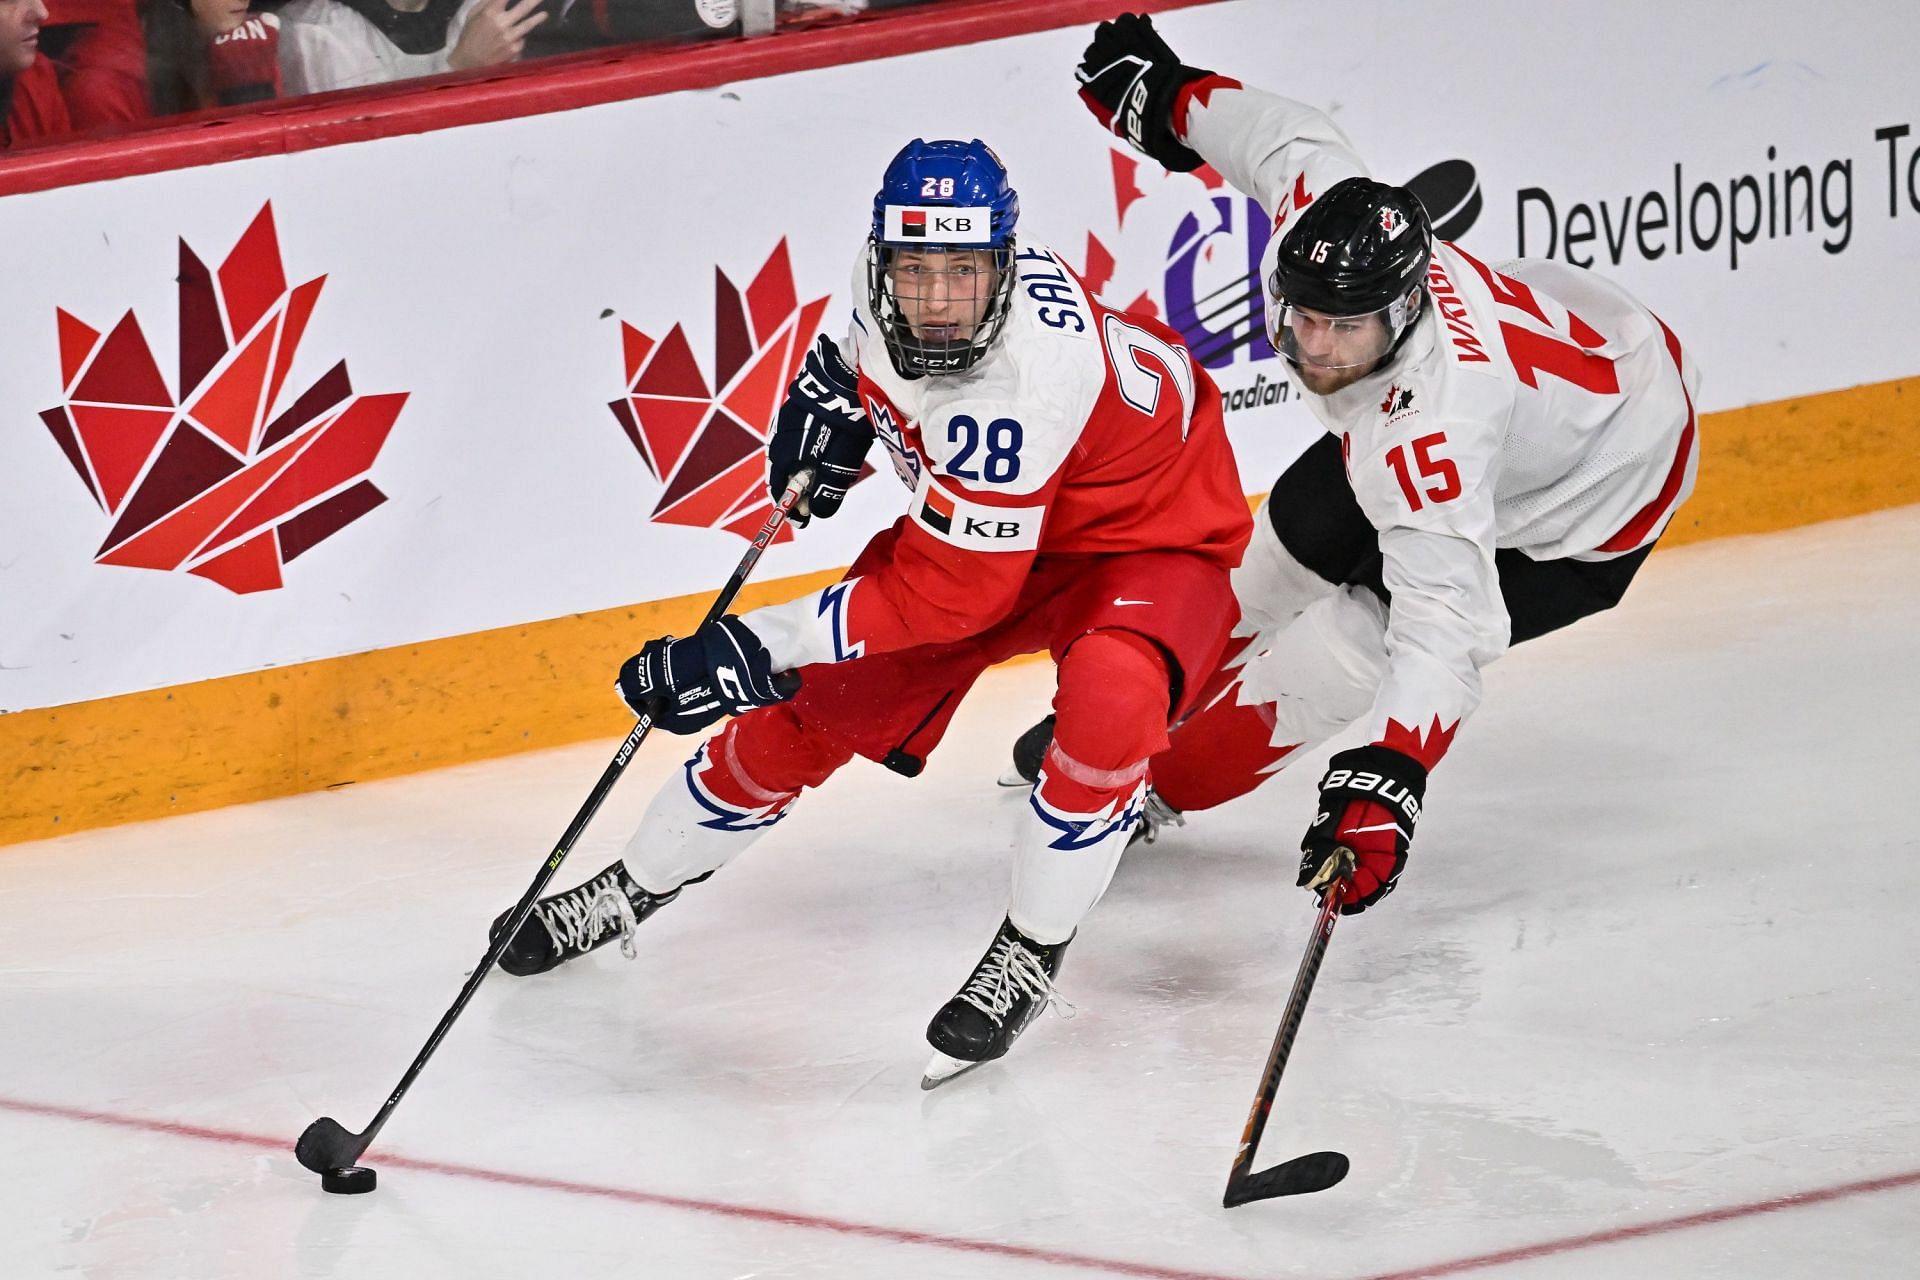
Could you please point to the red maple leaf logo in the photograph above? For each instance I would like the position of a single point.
(216, 483)
(1425, 745)
(709, 446)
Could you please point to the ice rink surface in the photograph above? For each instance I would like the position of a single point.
(1643, 1005)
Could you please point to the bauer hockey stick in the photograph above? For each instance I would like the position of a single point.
(327, 1147)
(1321, 1169)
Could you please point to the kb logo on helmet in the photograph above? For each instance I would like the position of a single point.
(937, 224)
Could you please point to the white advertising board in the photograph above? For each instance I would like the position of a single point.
(493, 290)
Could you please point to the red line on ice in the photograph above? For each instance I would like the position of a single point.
(1660, 1226)
(960, 1244)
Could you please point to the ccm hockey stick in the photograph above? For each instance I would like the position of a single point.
(1321, 1169)
(327, 1147)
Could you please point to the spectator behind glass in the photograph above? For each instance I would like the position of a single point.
(209, 53)
(343, 44)
(77, 68)
(30, 103)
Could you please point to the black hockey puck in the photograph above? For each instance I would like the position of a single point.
(355, 1181)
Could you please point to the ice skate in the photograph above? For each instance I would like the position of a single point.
(1028, 750)
(1010, 986)
(571, 924)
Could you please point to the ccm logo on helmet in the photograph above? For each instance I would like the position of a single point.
(1392, 794)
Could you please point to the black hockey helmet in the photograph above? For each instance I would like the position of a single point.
(1359, 248)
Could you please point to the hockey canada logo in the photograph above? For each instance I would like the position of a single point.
(708, 446)
(215, 482)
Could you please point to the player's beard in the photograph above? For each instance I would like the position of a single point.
(1324, 382)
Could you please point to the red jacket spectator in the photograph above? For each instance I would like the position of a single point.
(103, 71)
(95, 76)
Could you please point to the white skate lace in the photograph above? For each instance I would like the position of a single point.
(1008, 971)
(1156, 814)
(576, 920)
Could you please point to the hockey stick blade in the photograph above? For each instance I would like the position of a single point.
(1303, 1175)
(326, 1145)
(1321, 1169)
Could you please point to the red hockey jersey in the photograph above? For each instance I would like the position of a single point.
(1084, 431)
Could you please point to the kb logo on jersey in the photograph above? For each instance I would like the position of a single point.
(940, 513)
(963, 523)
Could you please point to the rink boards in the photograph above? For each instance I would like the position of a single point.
(522, 362)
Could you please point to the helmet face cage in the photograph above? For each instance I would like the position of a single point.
(940, 269)
(940, 307)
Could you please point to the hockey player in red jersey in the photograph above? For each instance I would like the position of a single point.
(1072, 492)
(1505, 443)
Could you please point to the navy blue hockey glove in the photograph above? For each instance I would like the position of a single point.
(720, 670)
(820, 425)
(1129, 79)
(1369, 801)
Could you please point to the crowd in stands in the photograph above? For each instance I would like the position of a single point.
(76, 68)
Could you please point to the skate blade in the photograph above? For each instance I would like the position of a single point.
(941, 1068)
(1014, 778)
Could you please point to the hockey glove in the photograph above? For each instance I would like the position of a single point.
(1369, 801)
(1129, 79)
(819, 425)
(720, 670)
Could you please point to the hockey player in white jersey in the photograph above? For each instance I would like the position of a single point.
(1073, 492)
(1505, 442)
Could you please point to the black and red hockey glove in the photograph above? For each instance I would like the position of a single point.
(1369, 801)
(1129, 78)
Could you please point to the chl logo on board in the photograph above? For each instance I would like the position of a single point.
(222, 481)
(708, 445)
(1186, 249)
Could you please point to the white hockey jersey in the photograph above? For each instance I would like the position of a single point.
(1534, 406)
(1081, 432)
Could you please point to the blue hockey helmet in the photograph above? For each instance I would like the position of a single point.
(940, 256)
